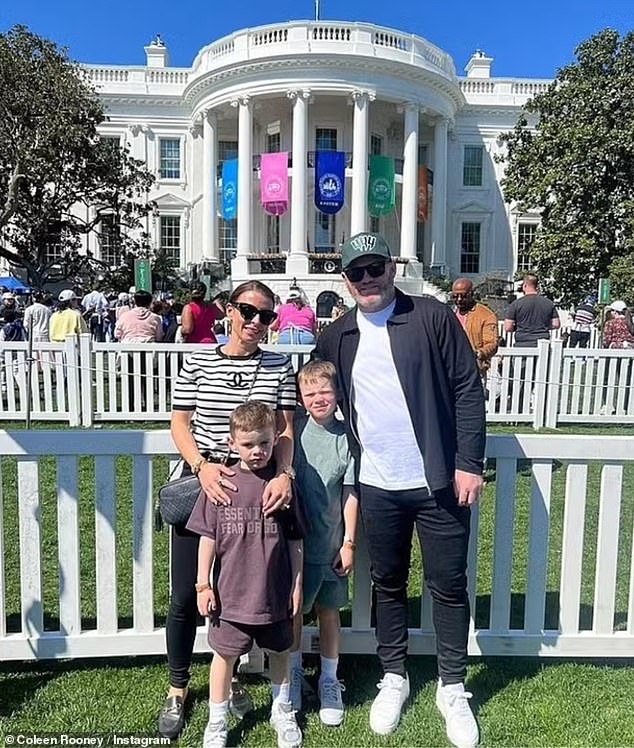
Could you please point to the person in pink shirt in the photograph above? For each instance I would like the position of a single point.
(200, 316)
(296, 322)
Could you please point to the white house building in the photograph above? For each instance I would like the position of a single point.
(306, 87)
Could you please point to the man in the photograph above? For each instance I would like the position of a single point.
(531, 317)
(583, 322)
(419, 463)
(95, 306)
(139, 325)
(479, 323)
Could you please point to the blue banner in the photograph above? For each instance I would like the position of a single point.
(330, 179)
(230, 189)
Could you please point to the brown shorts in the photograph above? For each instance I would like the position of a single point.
(231, 639)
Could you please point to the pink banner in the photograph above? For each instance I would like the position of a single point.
(274, 182)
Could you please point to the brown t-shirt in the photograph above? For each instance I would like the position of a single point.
(252, 569)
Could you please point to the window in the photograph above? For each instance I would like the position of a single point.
(273, 142)
(422, 154)
(170, 158)
(376, 145)
(228, 233)
(525, 238)
(470, 248)
(112, 140)
(170, 239)
(324, 232)
(375, 224)
(227, 150)
(472, 169)
(326, 139)
(272, 233)
(109, 242)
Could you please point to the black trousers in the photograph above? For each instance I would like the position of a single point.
(389, 518)
(581, 339)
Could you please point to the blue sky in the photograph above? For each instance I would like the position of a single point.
(525, 39)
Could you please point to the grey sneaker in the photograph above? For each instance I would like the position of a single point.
(453, 703)
(285, 725)
(331, 703)
(297, 686)
(385, 712)
(240, 702)
(172, 717)
(215, 735)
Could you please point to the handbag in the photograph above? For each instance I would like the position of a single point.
(177, 498)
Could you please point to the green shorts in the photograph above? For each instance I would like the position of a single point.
(324, 588)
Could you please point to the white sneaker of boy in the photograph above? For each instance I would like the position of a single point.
(453, 703)
(331, 703)
(285, 725)
(385, 712)
(215, 735)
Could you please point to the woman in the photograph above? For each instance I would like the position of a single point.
(618, 331)
(212, 382)
(200, 316)
(296, 323)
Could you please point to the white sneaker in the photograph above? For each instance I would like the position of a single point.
(331, 703)
(385, 712)
(453, 703)
(215, 734)
(297, 684)
(285, 725)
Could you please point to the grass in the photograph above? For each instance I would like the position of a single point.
(519, 702)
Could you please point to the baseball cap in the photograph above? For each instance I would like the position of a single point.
(67, 295)
(618, 306)
(294, 295)
(7, 295)
(364, 245)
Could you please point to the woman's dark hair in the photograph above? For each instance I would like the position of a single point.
(199, 290)
(251, 285)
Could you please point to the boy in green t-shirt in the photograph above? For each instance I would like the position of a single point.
(324, 469)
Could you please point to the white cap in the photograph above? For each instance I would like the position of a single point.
(8, 295)
(618, 306)
(123, 296)
(67, 295)
(132, 290)
(294, 295)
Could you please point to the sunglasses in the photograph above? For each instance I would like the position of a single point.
(460, 295)
(374, 270)
(249, 312)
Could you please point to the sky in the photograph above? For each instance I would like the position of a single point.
(525, 39)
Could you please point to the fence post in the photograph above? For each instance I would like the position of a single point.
(554, 383)
(72, 380)
(539, 392)
(85, 374)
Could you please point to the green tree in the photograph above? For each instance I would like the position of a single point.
(58, 180)
(571, 156)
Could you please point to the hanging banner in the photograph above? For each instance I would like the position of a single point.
(381, 190)
(274, 182)
(423, 195)
(230, 189)
(330, 178)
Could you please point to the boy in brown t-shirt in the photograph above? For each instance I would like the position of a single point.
(257, 576)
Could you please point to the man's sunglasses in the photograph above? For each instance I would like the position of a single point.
(374, 270)
(460, 295)
(249, 312)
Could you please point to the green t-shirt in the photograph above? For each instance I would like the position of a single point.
(324, 465)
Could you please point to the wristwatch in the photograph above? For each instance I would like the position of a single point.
(202, 586)
(347, 540)
(290, 471)
(197, 464)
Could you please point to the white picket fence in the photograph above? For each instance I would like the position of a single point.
(83, 574)
(86, 383)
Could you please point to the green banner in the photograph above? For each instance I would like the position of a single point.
(143, 275)
(381, 190)
(604, 291)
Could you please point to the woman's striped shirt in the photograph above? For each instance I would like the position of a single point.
(213, 385)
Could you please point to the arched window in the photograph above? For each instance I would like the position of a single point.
(325, 302)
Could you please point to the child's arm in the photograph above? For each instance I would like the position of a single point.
(296, 550)
(205, 598)
(344, 563)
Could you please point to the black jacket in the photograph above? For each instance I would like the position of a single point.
(438, 373)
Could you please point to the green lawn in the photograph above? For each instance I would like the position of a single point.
(518, 701)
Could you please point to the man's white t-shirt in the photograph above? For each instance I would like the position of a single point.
(390, 455)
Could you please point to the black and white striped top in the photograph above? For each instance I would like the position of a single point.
(213, 385)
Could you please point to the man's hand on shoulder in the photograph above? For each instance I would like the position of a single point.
(468, 487)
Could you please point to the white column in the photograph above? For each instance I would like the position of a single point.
(210, 193)
(439, 199)
(245, 172)
(409, 189)
(360, 130)
(299, 184)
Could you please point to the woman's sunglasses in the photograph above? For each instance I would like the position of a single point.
(249, 312)
(374, 270)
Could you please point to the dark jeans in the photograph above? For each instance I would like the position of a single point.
(581, 339)
(389, 518)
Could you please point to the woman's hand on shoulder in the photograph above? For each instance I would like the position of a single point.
(277, 495)
(214, 480)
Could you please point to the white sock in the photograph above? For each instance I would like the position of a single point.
(296, 660)
(218, 712)
(329, 667)
(281, 692)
